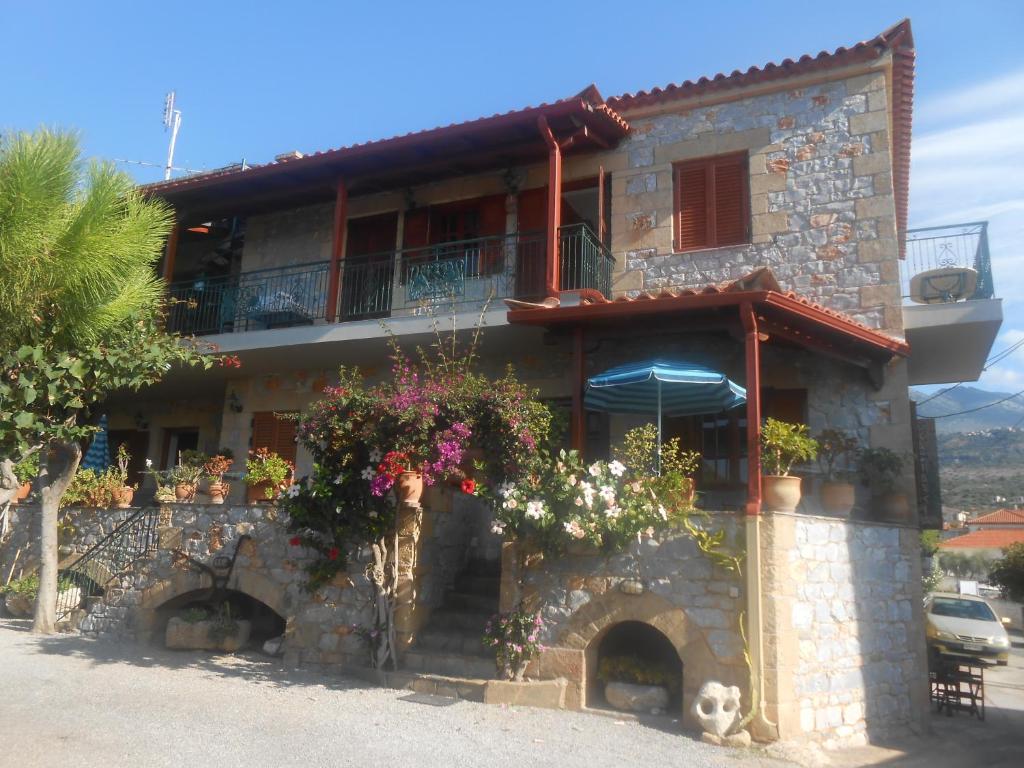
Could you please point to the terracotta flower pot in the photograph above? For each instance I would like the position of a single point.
(184, 492)
(409, 487)
(22, 493)
(837, 498)
(217, 493)
(123, 497)
(781, 492)
(257, 492)
(894, 507)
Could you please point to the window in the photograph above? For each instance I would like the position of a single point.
(272, 432)
(712, 206)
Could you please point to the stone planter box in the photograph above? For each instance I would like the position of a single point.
(18, 605)
(546, 694)
(195, 636)
(629, 697)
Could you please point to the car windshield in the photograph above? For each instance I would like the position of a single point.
(962, 609)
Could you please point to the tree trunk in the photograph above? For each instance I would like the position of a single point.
(56, 472)
(9, 484)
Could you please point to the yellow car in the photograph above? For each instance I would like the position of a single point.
(965, 626)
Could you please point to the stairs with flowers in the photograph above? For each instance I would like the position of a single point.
(451, 644)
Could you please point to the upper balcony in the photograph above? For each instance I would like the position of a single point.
(950, 314)
(459, 275)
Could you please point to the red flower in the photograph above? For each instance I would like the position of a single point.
(295, 541)
(332, 553)
(469, 486)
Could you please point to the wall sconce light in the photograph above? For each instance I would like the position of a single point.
(234, 403)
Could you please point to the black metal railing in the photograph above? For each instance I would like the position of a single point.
(267, 298)
(459, 272)
(112, 556)
(955, 246)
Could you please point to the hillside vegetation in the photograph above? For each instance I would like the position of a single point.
(976, 467)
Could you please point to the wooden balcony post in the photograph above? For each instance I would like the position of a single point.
(171, 251)
(337, 250)
(752, 343)
(577, 425)
(551, 265)
(600, 205)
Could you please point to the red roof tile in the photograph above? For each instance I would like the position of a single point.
(995, 539)
(1000, 517)
(898, 39)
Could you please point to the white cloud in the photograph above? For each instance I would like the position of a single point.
(995, 94)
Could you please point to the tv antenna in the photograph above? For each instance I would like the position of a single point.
(172, 120)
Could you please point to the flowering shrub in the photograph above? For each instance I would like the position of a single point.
(602, 503)
(216, 466)
(514, 637)
(265, 466)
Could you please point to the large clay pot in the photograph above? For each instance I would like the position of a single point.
(837, 498)
(409, 487)
(22, 493)
(217, 493)
(781, 492)
(257, 492)
(123, 497)
(894, 507)
(184, 492)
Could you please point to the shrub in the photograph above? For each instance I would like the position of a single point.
(783, 445)
(880, 469)
(835, 448)
(27, 469)
(265, 466)
(1008, 573)
(514, 636)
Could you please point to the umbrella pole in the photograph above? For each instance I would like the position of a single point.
(659, 426)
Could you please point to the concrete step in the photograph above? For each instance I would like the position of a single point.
(467, 688)
(446, 641)
(450, 664)
(446, 618)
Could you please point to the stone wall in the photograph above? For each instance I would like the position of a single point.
(844, 641)
(667, 583)
(823, 215)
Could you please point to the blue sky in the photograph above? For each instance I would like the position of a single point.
(256, 79)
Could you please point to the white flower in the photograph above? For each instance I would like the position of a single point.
(339, 479)
(612, 512)
(662, 512)
(617, 468)
(149, 463)
(578, 501)
(506, 489)
(607, 493)
(535, 509)
(595, 469)
(375, 455)
(510, 504)
(572, 479)
(498, 527)
(368, 474)
(293, 491)
(637, 486)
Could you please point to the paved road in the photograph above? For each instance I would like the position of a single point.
(68, 701)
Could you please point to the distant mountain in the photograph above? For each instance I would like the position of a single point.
(983, 469)
(1002, 416)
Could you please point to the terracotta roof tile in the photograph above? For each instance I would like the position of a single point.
(1000, 538)
(1000, 517)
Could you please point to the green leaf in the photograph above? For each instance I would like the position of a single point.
(30, 394)
(24, 420)
(77, 369)
(24, 352)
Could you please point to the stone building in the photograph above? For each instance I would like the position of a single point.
(754, 222)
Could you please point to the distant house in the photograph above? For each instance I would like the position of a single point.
(989, 534)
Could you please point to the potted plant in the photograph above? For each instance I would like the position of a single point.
(783, 445)
(185, 477)
(122, 491)
(880, 470)
(634, 684)
(266, 475)
(215, 467)
(835, 448)
(89, 488)
(515, 638)
(26, 471)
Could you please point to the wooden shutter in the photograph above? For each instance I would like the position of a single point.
(416, 232)
(533, 210)
(789, 405)
(711, 199)
(692, 206)
(276, 434)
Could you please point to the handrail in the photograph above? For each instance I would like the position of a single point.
(108, 558)
(951, 246)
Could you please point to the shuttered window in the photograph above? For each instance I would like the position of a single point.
(711, 201)
(277, 434)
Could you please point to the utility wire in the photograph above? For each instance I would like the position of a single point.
(980, 407)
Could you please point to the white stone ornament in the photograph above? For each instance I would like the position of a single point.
(717, 708)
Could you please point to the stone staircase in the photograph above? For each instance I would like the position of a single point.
(450, 644)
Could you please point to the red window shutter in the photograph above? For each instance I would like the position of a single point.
(533, 210)
(492, 215)
(274, 433)
(692, 206)
(416, 232)
(730, 202)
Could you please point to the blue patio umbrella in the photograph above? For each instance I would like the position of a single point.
(665, 387)
(98, 456)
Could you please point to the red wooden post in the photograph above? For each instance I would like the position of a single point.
(554, 207)
(171, 251)
(753, 364)
(337, 249)
(577, 426)
(600, 205)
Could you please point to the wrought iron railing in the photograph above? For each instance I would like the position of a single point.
(379, 285)
(112, 556)
(952, 246)
(264, 298)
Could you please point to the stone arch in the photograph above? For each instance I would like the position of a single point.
(588, 626)
(251, 583)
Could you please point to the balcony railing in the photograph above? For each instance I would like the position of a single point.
(952, 247)
(393, 283)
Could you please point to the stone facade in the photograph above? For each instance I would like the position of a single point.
(846, 655)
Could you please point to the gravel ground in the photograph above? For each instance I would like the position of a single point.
(66, 700)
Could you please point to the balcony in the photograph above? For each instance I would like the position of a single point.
(459, 275)
(950, 314)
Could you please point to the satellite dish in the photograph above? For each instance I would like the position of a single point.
(946, 284)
